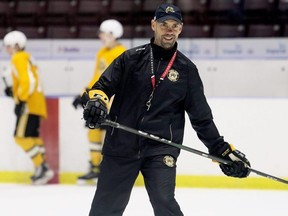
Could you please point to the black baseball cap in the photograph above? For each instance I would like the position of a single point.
(168, 11)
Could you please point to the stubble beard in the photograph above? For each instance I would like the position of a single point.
(167, 45)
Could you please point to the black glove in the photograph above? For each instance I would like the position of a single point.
(19, 108)
(77, 102)
(240, 165)
(8, 91)
(95, 112)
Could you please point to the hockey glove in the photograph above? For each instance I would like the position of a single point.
(77, 101)
(19, 108)
(239, 166)
(8, 91)
(95, 111)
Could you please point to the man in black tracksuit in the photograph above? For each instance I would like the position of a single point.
(153, 85)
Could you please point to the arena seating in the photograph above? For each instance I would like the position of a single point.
(261, 30)
(196, 31)
(202, 18)
(229, 31)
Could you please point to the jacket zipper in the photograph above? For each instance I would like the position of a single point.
(139, 151)
(158, 65)
(171, 132)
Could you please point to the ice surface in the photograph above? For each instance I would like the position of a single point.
(73, 200)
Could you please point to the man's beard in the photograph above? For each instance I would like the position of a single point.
(167, 45)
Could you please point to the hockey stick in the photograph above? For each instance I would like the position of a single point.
(168, 142)
(8, 89)
(5, 82)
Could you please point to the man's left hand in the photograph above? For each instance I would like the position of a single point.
(239, 166)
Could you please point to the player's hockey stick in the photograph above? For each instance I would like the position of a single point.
(168, 142)
(5, 82)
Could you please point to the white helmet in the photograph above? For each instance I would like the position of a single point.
(112, 26)
(15, 37)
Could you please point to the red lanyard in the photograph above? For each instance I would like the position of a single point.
(164, 74)
(153, 79)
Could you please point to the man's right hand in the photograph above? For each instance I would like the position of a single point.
(95, 112)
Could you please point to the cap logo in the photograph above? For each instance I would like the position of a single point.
(169, 9)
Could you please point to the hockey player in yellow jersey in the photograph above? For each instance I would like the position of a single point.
(30, 104)
(109, 33)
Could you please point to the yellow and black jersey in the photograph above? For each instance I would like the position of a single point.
(26, 85)
(104, 58)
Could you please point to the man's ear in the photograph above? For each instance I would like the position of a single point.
(181, 28)
(153, 24)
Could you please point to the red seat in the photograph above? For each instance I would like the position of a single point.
(151, 5)
(259, 5)
(196, 31)
(7, 7)
(62, 7)
(3, 31)
(285, 32)
(264, 30)
(61, 32)
(224, 5)
(283, 5)
(31, 7)
(33, 31)
(124, 6)
(93, 7)
(7, 12)
(187, 6)
(88, 31)
(128, 31)
(143, 31)
(228, 31)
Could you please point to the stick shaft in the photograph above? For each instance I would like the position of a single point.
(5, 82)
(268, 176)
(162, 140)
(194, 151)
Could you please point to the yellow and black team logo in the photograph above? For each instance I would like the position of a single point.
(169, 9)
(169, 161)
(173, 75)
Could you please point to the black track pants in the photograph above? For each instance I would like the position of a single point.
(116, 181)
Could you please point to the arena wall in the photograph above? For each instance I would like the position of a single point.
(248, 96)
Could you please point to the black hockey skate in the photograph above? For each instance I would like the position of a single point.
(91, 177)
(42, 175)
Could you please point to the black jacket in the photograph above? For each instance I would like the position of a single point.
(128, 78)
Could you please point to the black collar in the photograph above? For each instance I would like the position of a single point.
(160, 52)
